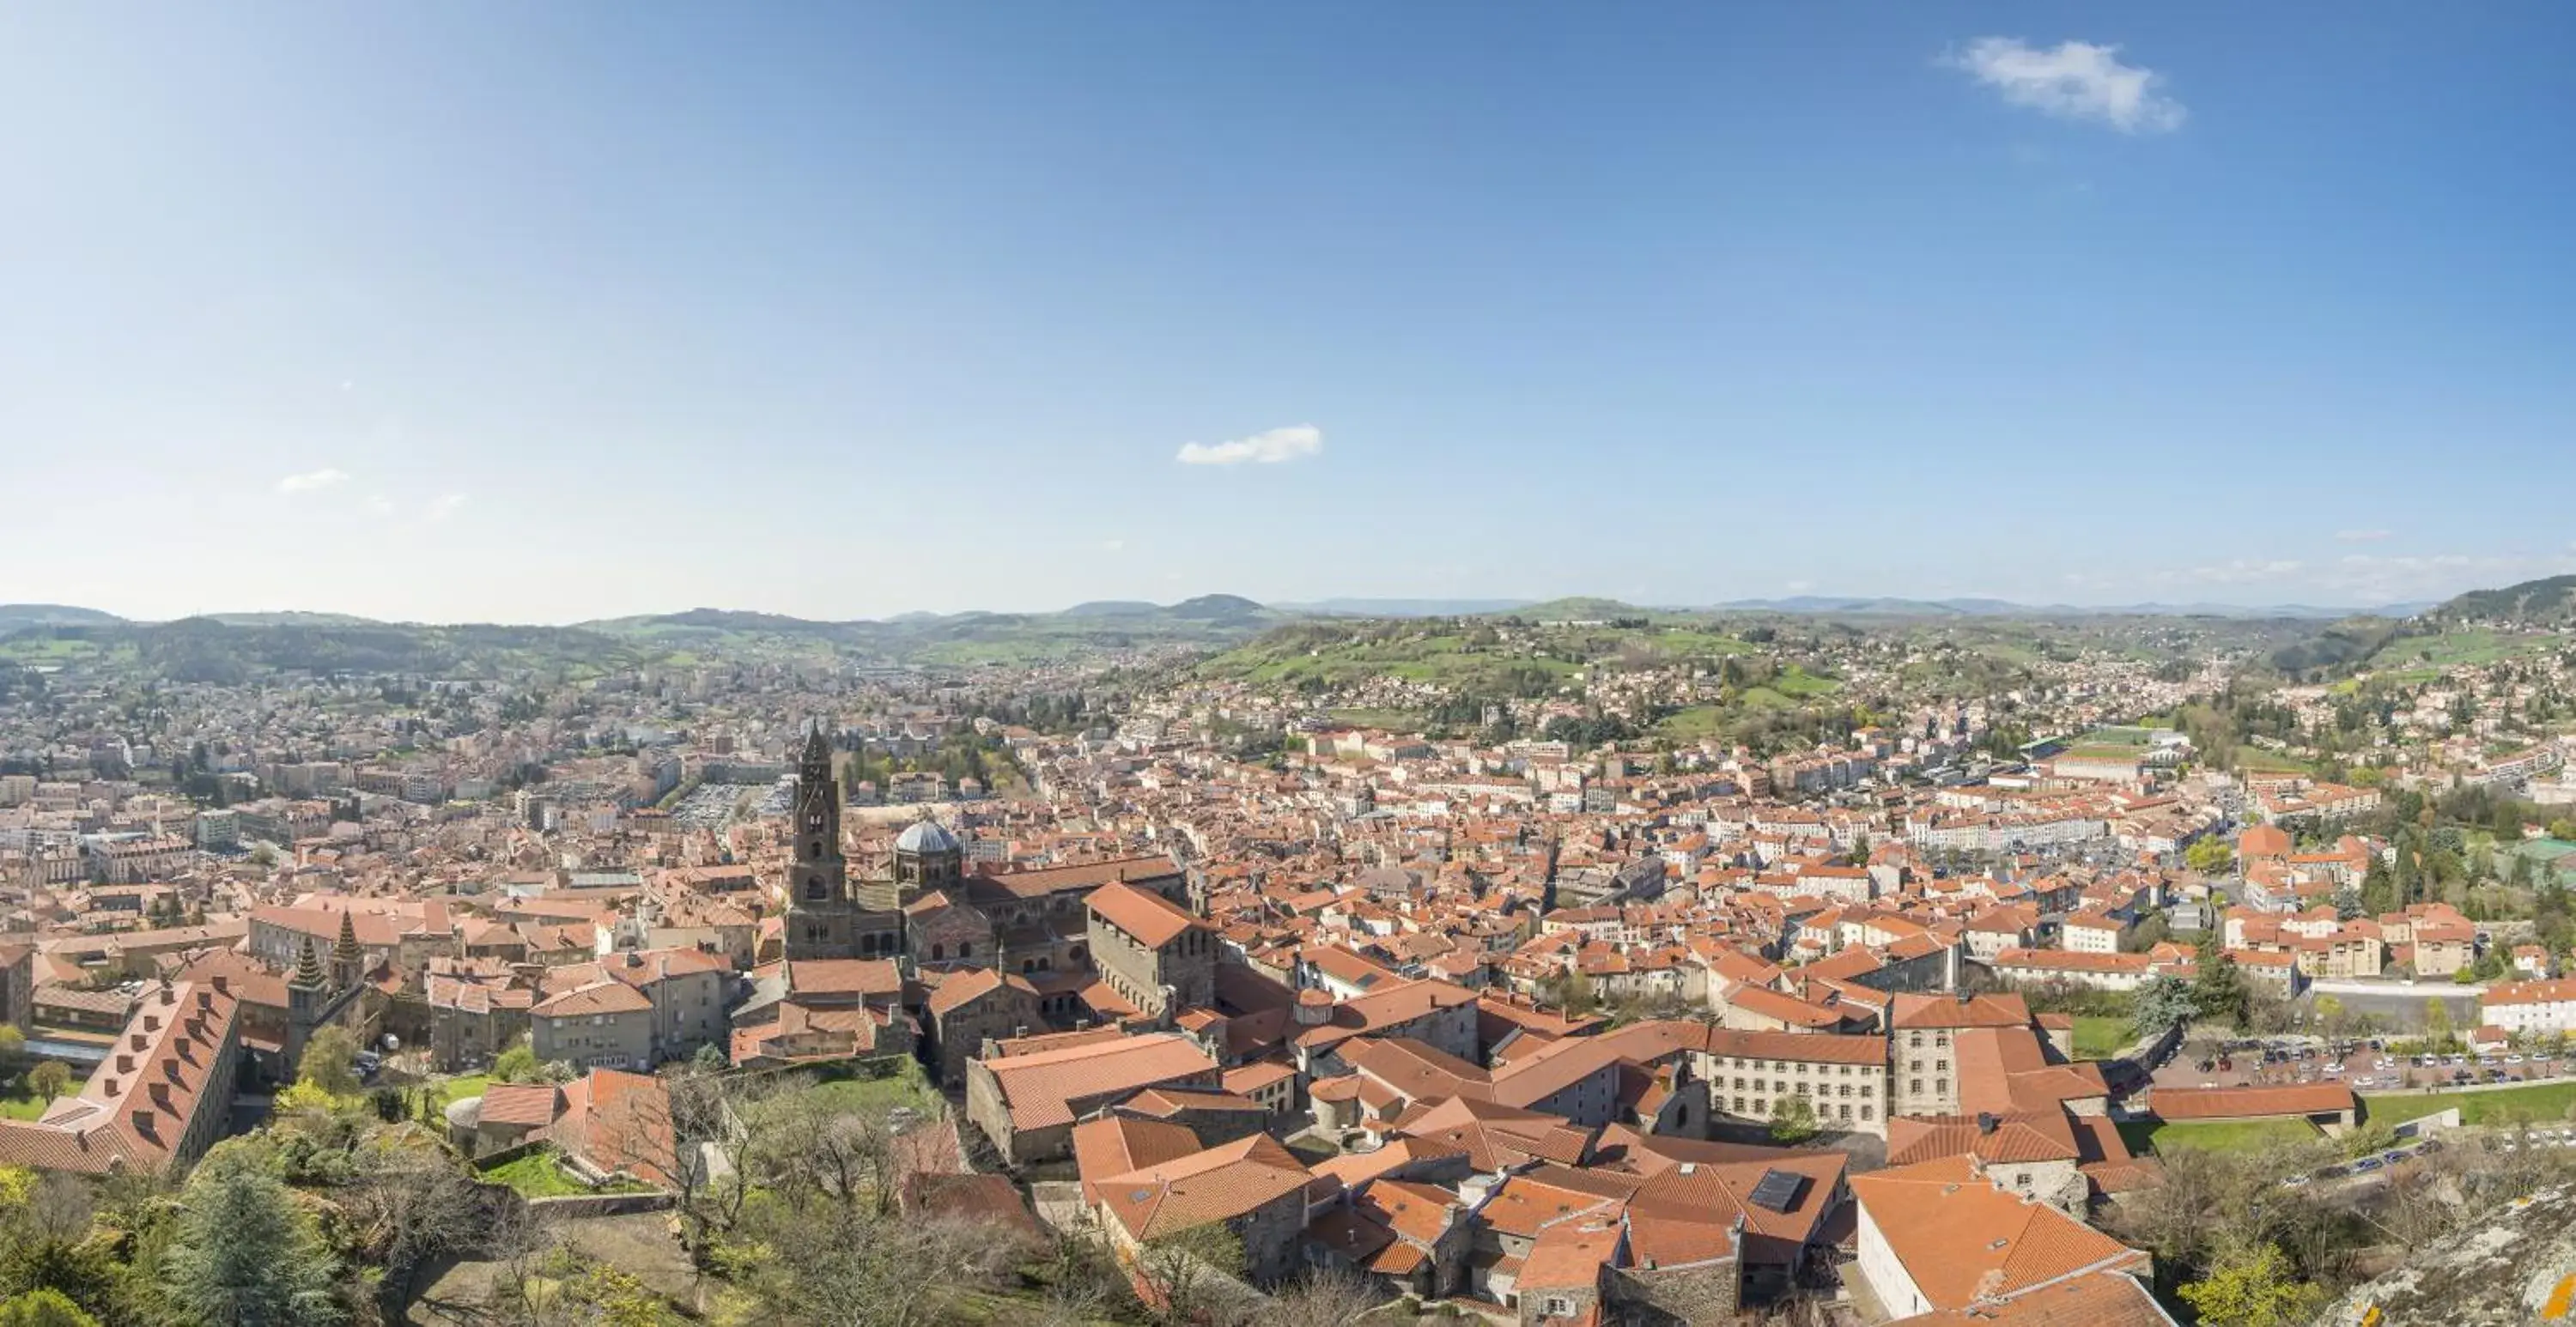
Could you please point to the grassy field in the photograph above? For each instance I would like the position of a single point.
(2100, 1036)
(872, 1095)
(22, 1105)
(1694, 723)
(537, 1176)
(463, 1086)
(2216, 1135)
(2256, 759)
(2540, 1101)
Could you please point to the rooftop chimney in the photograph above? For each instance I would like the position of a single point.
(140, 1041)
(1985, 1122)
(223, 984)
(143, 1123)
(160, 1093)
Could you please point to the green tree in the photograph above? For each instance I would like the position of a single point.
(2219, 988)
(330, 1062)
(2437, 1023)
(517, 1064)
(2253, 1287)
(2161, 1003)
(2378, 888)
(43, 1308)
(1793, 1120)
(244, 1255)
(2209, 856)
(49, 1079)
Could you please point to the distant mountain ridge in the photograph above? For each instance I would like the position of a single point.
(15, 616)
(2547, 602)
(1825, 605)
(2557, 594)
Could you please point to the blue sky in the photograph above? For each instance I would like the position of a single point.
(545, 312)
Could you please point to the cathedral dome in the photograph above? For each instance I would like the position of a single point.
(924, 837)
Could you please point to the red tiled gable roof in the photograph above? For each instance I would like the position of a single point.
(136, 1108)
(619, 1121)
(1119, 1144)
(2237, 1103)
(1218, 1184)
(1148, 916)
(1038, 1088)
(599, 997)
(844, 976)
(1912, 1011)
(531, 1105)
(1962, 1240)
(2095, 1299)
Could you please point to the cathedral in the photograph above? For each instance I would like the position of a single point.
(830, 916)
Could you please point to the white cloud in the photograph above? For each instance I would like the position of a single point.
(2242, 571)
(1294, 443)
(312, 481)
(1113, 545)
(2075, 80)
(442, 506)
(380, 505)
(2362, 536)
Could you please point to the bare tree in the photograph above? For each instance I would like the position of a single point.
(421, 1207)
(525, 1245)
(1324, 1297)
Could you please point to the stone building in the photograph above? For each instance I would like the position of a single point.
(1150, 950)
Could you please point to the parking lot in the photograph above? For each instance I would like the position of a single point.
(2364, 1067)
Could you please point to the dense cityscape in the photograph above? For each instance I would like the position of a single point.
(1353, 664)
(1570, 962)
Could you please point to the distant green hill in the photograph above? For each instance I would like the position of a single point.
(2549, 602)
(964, 639)
(14, 616)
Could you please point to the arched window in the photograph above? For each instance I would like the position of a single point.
(965, 949)
(814, 891)
(937, 952)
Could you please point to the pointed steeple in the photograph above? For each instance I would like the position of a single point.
(308, 966)
(345, 958)
(818, 749)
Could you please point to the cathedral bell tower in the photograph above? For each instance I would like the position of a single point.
(820, 920)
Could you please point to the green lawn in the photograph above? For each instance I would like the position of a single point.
(537, 1176)
(873, 1095)
(2100, 1036)
(23, 1105)
(2257, 760)
(2540, 1101)
(2216, 1135)
(1694, 723)
(463, 1086)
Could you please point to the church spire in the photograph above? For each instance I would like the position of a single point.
(344, 954)
(308, 966)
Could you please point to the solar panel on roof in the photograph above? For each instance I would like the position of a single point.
(1778, 1190)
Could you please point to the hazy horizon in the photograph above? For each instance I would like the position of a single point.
(1323, 602)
